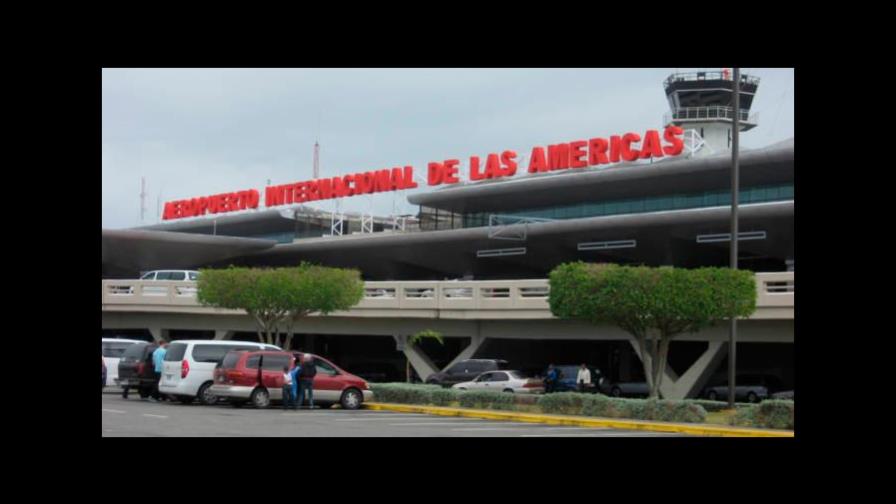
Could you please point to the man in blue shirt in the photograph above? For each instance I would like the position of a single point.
(158, 357)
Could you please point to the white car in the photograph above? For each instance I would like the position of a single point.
(503, 381)
(189, 366)
(113, 348)
(174, 275)
(170, 275)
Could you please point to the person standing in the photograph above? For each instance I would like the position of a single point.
(306, 380)
(550, 381)
(294, 383)
(287, 388)
(583, 378)
(158, 358)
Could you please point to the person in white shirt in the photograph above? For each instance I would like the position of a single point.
(288, 399)
(583, 378)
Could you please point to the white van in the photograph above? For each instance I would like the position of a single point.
(113, 348)
(189, 366)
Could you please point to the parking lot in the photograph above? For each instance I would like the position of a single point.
(135, 417)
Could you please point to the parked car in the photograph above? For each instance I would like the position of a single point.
(504, 381)
(113, 349)
(752, 388)
(257, 377)
(104, 370)
(174, 275)
(786, 394)
(188, 369)
(625, 389)
(465, 370)
(135, 369)
(568, 375)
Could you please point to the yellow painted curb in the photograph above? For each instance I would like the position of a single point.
(695, 429)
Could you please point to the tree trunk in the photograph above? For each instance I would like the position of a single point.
(646, 361)
(664, 357)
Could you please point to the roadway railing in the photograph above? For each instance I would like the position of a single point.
(774, 290)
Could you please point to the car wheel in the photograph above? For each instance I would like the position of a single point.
(351, 399)
(205, 395)
(185, 399)
(260, 398)
(752, 397)
(713, 396)
(508, 390)
(616, 392)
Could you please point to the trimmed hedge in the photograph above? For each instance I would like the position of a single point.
(486, 399)
(598, 405)
(564, 403)
(716, 405)
(770, 414)
(406, 393)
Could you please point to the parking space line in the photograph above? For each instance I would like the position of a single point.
(155, 416)
(113, 411)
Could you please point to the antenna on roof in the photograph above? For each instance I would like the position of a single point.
(317, 148)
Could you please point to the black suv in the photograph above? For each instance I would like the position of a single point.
(135, 370)
(465, 370)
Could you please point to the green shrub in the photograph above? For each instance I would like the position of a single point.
(673, 411)
(563, 403)
(444, 397)
(770, 414)
(715, 405)
(404, 393)
(486, 399)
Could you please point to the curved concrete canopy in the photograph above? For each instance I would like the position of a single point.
(127, 251)
(767, 166)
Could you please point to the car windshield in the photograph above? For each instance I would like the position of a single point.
(231, 359)
(115, 350)
(134, 351)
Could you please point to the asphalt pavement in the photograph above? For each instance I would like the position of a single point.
(136, 417)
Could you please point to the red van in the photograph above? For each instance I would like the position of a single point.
(257, 377)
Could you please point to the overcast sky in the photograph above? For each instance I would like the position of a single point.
(207, 131)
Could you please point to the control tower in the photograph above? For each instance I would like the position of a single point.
(704, 102)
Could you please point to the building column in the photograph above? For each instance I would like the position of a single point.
(159, 334)
(223, 334)
(419, 360)
(690, 383)
(476, 341)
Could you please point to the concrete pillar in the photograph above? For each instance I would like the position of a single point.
(692, 381)
(159, 334)
(419, 360)
(475, 342)
(223, 334)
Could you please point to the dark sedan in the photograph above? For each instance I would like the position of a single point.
(750, 388)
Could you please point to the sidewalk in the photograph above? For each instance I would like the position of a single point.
(579, 421)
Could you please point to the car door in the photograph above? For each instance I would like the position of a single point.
(272, 373)
(327, 382)
(499, 381)
(481, 382)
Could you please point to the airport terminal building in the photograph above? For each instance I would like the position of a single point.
(658, 199)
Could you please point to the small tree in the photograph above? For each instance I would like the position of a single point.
(651, 304)
(416, 338)
(276, 296)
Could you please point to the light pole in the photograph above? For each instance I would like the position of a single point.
(735, 132)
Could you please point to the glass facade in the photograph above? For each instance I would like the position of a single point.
(641, 205)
